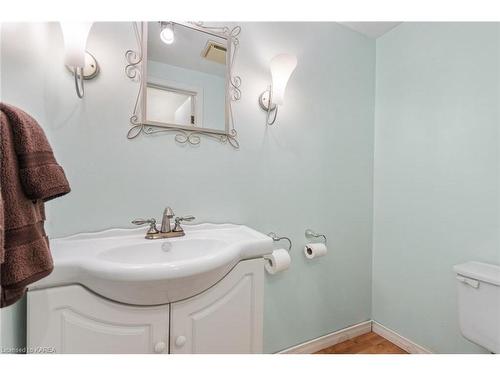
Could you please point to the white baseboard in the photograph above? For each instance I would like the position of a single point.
(398, 340)
(333, 338)
(348, 333)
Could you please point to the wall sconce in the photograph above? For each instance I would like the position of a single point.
(282, 67)
(78, 61)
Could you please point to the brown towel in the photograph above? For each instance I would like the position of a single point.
(29, 176)
(2, 230)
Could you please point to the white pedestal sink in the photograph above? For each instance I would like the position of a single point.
(122, 266)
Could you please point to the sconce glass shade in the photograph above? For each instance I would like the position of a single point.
(167, 32)
(75, 42)
(282, 67)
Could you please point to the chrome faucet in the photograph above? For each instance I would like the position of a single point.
(166, 230)
(168, 214)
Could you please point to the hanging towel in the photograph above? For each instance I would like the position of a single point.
(29, 176)
(2, 231)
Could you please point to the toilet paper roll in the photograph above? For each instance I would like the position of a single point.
(314, 250)
(279, 260)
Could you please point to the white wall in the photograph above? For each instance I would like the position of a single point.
(436, 199)
(312, 169)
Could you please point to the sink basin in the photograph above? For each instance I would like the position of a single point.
(164, 252)
(121, 265)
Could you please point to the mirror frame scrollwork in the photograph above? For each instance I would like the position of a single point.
(135, 70)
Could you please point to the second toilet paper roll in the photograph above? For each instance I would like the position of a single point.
(314, 250)
(278, 261)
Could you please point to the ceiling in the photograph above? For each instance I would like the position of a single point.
(186, 50)
(371, 29)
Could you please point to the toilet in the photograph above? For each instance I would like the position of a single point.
(479, 303)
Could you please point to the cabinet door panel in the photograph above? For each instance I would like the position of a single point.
(226, 318)
(72, 319)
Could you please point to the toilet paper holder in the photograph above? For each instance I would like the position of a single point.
(312, 234)
(277, 238)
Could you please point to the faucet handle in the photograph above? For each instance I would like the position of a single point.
(143, 221)
(177, 227)
(152, 224)
(184, 218)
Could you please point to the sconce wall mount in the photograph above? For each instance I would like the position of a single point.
(282, 67)
(78, 61)
(91, 68)
(265, 101)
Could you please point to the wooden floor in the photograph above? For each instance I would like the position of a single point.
(369, 343)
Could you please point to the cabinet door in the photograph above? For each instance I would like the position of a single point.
(226, 318)
(71, 319)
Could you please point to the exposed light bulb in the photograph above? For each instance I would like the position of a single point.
(167, 32)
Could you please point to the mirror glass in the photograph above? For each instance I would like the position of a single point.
(186, 77)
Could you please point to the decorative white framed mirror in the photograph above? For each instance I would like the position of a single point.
(186, 82)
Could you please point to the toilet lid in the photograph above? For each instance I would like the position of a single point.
(488, 273)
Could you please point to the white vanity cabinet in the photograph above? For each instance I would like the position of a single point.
(226, 318)
(71, 319)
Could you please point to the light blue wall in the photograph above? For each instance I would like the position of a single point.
(436, 184)
(312, 169)
(436, 165)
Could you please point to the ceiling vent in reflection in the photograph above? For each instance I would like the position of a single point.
(215, 52)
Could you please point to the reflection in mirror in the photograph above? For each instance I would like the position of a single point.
(186, 77)
(170, 106)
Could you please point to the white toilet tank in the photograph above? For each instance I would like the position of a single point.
(479, 303)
